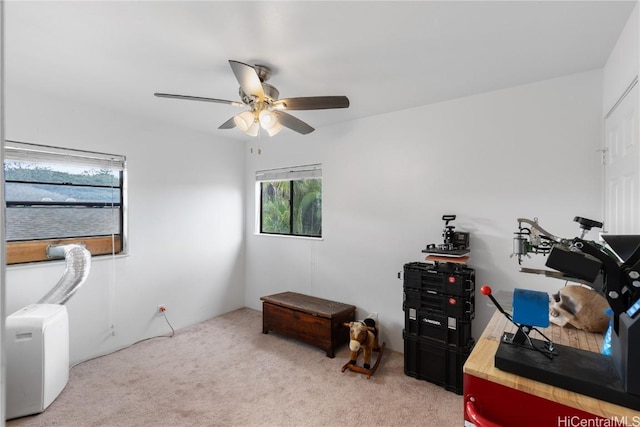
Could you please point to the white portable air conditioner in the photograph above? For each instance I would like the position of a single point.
(37, 351)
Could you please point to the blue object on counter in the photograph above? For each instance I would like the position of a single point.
(606, 342)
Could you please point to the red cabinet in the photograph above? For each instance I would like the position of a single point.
(487, 404)
(496, 398)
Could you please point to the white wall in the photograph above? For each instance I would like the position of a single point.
(186, 225)
(623, 64)
(529, 151)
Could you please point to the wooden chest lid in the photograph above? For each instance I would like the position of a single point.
(308, 304)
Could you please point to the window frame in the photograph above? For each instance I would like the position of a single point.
(290, 175)
(35, 250)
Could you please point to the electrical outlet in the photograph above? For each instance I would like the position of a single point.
(161, 309)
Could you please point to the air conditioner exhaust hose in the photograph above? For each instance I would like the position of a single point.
(78, 264)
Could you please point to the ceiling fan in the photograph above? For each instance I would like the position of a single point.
(266, 111)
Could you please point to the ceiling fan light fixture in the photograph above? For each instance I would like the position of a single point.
(253, 129)
(244, 121)
(269, 122)
(274, 129)
(267, 119)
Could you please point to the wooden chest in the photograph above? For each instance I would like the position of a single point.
(315, 321)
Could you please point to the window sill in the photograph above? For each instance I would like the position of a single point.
(287, 236)
(36, 250)
(54, 262)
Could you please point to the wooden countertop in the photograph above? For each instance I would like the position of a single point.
(481, 364)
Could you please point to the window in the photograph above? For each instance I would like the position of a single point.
(59, 196)
(291, 201)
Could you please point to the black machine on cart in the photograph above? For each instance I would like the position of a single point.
(456, 243)
(439, 306)
(612, 268)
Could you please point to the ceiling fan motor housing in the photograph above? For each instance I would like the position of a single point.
(263, 72)
(270, 93)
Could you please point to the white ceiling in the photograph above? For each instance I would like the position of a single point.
(385, 56)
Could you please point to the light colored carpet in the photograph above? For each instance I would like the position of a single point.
(226, 372)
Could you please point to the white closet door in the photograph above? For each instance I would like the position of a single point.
(622, 166)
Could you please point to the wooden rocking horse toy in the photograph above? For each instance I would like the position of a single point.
(363, 337)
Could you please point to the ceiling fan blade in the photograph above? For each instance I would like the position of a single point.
(229, 124)
(313, 103)
(293, 123)
(199, 98)
(248, 79)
